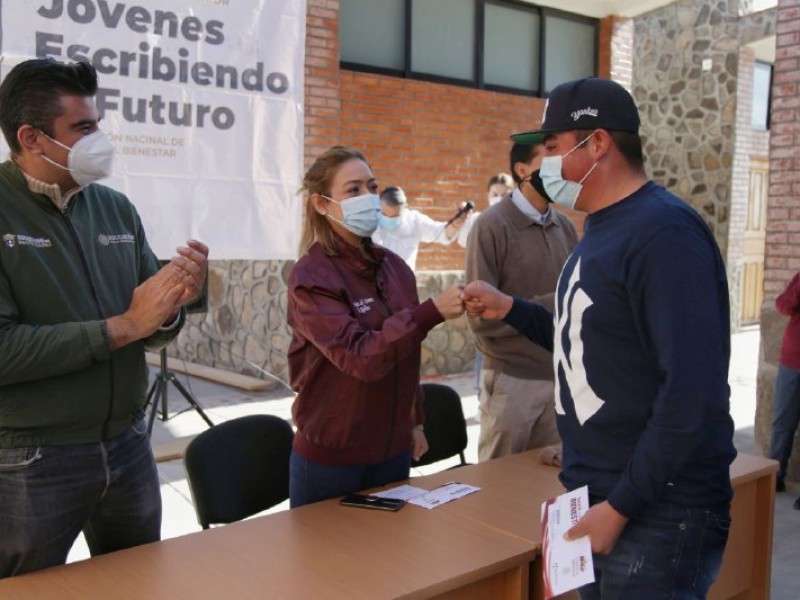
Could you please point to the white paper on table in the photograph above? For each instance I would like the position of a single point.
(567, 564)
(443, 494)
(436, 497)
(401, 492)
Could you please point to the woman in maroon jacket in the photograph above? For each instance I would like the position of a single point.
(786, 400)
(357, 326)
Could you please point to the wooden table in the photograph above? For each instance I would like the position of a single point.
(485, 545)
(747, 564)
(319, 551)
(513, 488)
(512, 491)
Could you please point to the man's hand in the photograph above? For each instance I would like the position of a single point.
(158, 300)
(190, 266)
(603, 524)
(152, 303)
(483, 300)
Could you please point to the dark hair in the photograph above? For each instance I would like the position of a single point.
(520, 153)
(630, 146)
(318, 180)
(31, 94)
(628, 143)
(393, 196)
(501, 178)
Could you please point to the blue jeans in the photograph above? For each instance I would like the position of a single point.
(49, 494)
(785, 416)
(671, 552)
(312, 482)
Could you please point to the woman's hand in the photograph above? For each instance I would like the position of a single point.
(419, 443)
(449, 303)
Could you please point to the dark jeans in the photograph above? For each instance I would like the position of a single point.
(312, 482)
(785, 416)
(671, 552)
(49, 494)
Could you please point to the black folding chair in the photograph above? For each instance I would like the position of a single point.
(239, 468)
(445, 426)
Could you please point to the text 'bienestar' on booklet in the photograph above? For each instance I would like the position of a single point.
(567, 565)
(433, 499)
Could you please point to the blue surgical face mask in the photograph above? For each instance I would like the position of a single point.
(359, 214)
(560, 190)
(388, 223)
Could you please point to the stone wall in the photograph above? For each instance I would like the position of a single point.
(688, 114)
(245, 330)
(686, 81)
(246, 320)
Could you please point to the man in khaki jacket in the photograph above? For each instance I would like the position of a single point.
(519, 246)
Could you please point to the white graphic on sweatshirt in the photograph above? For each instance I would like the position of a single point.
(575, 304)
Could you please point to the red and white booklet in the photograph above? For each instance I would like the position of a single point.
(567, 565)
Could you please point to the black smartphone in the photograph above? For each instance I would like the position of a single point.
(376, 502)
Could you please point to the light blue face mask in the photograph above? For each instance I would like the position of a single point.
(560, 190)
(359, 214)
(388, 223)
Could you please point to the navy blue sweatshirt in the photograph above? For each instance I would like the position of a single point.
(641, 343)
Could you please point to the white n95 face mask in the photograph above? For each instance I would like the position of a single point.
(89, 159)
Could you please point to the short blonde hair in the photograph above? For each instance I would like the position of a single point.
(318, 180)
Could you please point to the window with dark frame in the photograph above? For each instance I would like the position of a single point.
(500, 45)
(762, 95)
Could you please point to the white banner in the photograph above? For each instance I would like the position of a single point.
(203, 101)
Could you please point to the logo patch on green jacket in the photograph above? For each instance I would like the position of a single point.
(106, 239)
(11, 240)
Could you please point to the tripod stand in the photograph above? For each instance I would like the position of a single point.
(158, 391)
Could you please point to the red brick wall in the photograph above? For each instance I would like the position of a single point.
(605, 36)
(441, 143)
(615, 50)
(322, 105)
(783, 208)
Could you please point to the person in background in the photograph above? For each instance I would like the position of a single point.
(357, 326)
(499, 186)
(81, 298)
(519, 246)
(641, 344)
(786, 399)
(401, 229)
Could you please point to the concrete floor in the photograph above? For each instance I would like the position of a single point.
(222, 403)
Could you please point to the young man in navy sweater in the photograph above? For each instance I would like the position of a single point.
(641, 347)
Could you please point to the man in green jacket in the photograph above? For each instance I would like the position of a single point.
(81, 298)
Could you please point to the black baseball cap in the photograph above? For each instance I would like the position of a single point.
(590, 103)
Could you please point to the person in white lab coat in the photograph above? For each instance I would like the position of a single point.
(401, 228)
